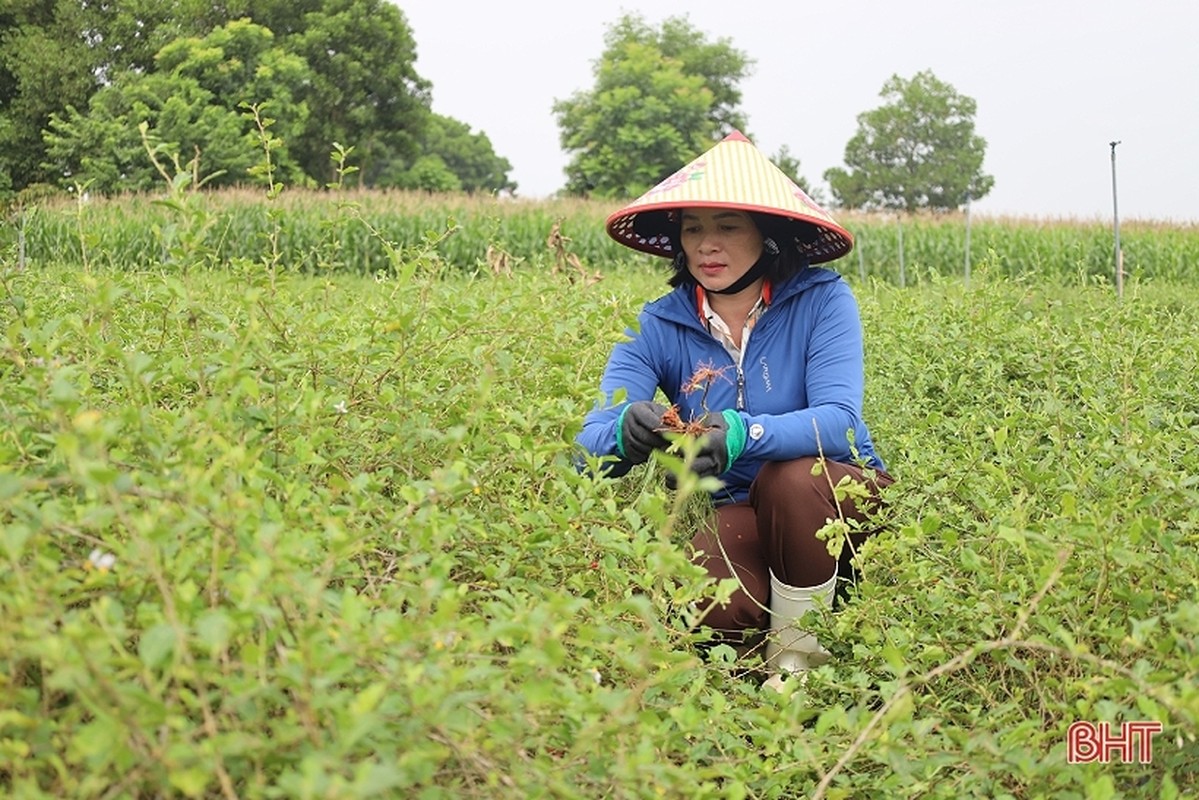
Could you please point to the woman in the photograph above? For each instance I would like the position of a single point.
(777, 345)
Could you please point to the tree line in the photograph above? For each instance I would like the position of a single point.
(88, 91)
(78, 78)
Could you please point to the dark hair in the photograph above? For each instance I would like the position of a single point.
(786, 232)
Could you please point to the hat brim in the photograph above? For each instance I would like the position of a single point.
(651, 229)
(733, 174)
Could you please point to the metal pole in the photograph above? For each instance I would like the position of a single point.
(899, 227)
(1116, 225)
(861, 260)
(24, 219)
(967, 273)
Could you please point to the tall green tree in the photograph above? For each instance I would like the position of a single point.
(469, 155)
(57, 53)
(918, 150)
(453, 158)
(721, 66)
(193, 104)
(660, 97)
(45, 64)
(365, 90)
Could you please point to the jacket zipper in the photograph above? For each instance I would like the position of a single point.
(741, 363)
(740, 373)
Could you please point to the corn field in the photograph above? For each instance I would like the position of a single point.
(352, 231)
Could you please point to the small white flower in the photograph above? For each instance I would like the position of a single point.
(340, 408)
(596, 676)
(101, 561)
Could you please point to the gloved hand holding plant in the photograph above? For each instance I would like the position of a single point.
(722, 435)
(639, 431)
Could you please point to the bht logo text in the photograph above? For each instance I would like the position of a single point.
(1087, 742)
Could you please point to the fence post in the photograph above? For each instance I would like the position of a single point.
(902, 273)
(21, 219)
(1116, 225)
(861, 260)
(967, 270)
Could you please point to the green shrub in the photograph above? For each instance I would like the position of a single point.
(323, 536)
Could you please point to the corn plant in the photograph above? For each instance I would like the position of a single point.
(305, 227)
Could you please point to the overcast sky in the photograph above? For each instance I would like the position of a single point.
(1055, 82)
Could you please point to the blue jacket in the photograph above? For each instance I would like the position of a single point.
(799, 389)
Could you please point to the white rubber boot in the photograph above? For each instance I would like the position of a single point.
(790, 650)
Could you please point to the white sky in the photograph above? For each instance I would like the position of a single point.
(1055, 82)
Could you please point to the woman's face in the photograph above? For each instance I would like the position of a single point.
(720, 245)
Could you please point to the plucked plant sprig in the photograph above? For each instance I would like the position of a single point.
(265, 169)
(183, 237)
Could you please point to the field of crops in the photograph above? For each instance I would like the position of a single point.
(308, 525)
(317, 232)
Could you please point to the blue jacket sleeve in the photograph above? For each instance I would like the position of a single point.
(835, 381)
(632, 368)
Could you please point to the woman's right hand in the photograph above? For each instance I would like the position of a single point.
(640, 431)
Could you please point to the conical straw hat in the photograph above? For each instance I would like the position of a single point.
(732, 174)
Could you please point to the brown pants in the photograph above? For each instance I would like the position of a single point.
(776, 532)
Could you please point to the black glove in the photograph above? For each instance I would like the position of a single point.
(721, 445)
(639, 431)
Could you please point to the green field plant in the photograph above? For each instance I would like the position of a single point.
(326, 538)
(321, 231)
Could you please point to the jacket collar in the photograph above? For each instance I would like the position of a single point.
(683, 304)
(701, 297)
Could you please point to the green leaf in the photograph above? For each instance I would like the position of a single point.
(192, 781)
(373, 779)
(10, 485)
(368, 699)
(213, 629)
(1102, 787)
(16, 536)
(894, 658)
(156, 645)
